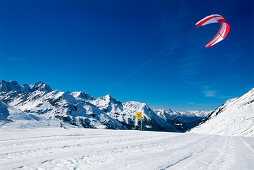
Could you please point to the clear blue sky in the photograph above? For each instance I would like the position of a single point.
(141, 50)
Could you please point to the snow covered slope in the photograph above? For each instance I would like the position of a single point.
(10, 113)
(11, 117)
(79, 148)
(235, 117)
(78, 108)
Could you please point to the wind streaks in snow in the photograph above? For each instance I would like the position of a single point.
(76, 148)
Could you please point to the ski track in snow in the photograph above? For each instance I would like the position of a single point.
(74, 148)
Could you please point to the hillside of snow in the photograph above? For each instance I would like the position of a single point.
(11, 117)
(234, 118)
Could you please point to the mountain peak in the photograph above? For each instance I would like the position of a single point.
(9, 86)
(40, 86)
(107, 96)
(109, 99)
(82, 95)
(14, 86)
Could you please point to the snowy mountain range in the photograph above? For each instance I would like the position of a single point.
(183, 121)
(39, 102)
(234, 118)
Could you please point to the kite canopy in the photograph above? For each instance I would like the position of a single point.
(223, 31)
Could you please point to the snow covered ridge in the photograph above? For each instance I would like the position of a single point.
(234, 118)
(25, 88)
(39, 102)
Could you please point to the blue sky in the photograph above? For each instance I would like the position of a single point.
(147, 51)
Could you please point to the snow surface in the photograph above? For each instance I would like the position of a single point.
(234, 118)
(80, 148)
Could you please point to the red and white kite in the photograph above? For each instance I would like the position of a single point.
(223, 31)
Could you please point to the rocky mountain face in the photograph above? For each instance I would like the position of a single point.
(83, 110)
(234, 118)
